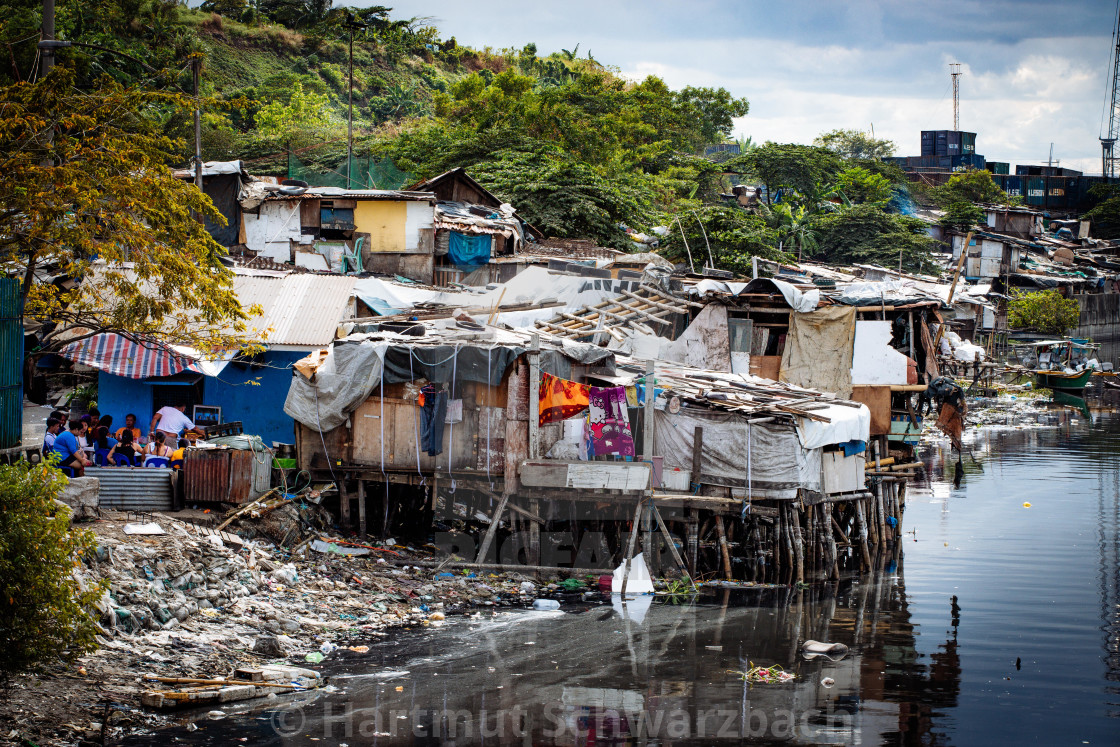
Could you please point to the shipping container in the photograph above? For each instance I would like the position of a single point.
(1035, 190)
(999, 167)
(968, 143)
(954, 139)
(1014, 186)
(929, 141)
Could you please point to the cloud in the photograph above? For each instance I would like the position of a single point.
(1034, 74)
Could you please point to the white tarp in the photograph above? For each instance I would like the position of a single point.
(875, 362)
(344, 380)
(777, 462)
(637, 582)
(705, 343)
(847, 424)
(798, 301)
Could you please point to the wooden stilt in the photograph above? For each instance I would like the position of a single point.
(668, 539)
(534, 533)
(633, 542)
(361, 509)
(862, 524)
(723, 550)
(798, 545)
(343, 506)
(491, 530)
(693, 541)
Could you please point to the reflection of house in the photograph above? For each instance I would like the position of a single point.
(301, 313)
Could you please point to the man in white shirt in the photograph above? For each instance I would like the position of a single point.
(172, 420)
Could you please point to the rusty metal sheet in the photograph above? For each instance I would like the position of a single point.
(240, 475)
(206, 475)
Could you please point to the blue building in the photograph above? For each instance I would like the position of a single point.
(301, 314)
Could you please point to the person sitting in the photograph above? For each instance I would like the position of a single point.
(94, 420)
(54, 425)
(70, 454)
(103, 443)
(179, 453)
(87, 421)
(171, 420)
(129, 425)
(126, 447)
(157, 449)
(106, 421)
(61, 417)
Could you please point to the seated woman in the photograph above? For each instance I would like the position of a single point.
(125, 447)
(156, 449)
(103, 443)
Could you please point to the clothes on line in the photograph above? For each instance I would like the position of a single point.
(560, 399)
(610, 425)
(433, 411)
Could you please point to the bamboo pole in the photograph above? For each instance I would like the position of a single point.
(723, 550)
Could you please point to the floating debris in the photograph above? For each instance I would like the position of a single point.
(766, 675)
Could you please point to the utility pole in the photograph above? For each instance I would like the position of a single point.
(955, 71)
(351, 24)
(46, 55)
(196, 74)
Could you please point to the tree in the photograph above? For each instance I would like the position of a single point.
(867, 234)
(973, 185)
(801, 168)
(45, 613)
(855, 144)
(298, 121)
(795, 227)
(87, 189)
(1048, 312)
(862, 186)
(1105, 216)
(733, 234)
(963, 215)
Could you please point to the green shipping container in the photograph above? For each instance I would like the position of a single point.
(11, 365)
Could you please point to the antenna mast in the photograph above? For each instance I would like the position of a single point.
(1108, 162)
(955, 71)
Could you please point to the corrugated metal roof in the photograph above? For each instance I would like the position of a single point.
(300, 309)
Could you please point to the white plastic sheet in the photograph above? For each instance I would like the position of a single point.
(638, 582)
(847, 424)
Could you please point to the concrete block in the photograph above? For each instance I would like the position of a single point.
(82, 495)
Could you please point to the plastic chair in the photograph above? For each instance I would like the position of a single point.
(101, 457)
(156, 461)
(176, 464)
(354, 259)
(68, 470)
(123, 460)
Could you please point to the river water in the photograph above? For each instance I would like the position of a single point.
(999, 625)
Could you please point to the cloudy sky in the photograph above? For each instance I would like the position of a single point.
(1035, 71)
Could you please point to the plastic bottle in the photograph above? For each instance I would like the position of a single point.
(545, 604)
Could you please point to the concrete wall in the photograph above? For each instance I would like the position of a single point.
(1100, 322)
(259, 406)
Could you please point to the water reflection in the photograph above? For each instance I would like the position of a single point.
(995, 624)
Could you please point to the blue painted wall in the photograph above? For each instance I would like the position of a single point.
(259, 406)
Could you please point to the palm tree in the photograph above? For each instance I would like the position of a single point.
(794, 224)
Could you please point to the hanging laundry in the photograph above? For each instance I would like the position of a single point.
(560, 399)
(433, 412)
(610, 426)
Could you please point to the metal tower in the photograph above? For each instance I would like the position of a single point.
(1108, 161)
(955, 71)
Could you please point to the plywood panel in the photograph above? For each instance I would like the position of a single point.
(401, 432)
(766, 366)
(384, 221)
(878, 400)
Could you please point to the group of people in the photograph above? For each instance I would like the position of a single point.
(74, 440)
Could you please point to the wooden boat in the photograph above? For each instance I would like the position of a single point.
(1058, 380)
(1056, 364)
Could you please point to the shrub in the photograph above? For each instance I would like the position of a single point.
(1048, 312)
(45, 613)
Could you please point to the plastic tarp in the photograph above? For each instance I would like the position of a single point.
(846, 423)
(469, 251)
(778, 462)
(818, 352)
(705, 343)
(798, 301)
(387, 298)
(342, 382)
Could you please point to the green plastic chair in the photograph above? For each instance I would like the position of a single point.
(353, 260)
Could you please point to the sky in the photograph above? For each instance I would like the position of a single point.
(1035, 72)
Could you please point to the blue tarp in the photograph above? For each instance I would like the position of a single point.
(468, 252)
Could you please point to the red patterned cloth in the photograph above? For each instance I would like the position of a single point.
(561, 399)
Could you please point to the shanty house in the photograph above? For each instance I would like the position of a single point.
(301, 313)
